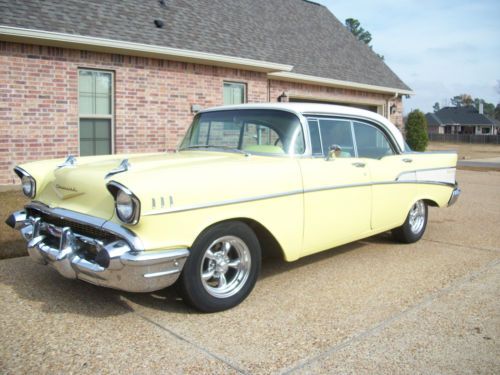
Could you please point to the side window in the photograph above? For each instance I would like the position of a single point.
(337, 132)
(371, 141)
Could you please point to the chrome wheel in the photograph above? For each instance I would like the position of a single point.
(225, 266)
(417, 217)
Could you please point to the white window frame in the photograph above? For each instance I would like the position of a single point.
(244, 84)
(110, 117)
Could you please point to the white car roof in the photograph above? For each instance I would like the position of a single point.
(323, 109)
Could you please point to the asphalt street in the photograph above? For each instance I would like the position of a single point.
(371, 307)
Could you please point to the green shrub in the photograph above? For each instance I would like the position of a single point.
(416, 131)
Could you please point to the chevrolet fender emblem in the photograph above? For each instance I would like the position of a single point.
(64, 192)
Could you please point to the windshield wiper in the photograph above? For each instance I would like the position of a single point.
(216, 146)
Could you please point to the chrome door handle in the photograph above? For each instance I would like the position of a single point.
(407, 160)
(359, 165)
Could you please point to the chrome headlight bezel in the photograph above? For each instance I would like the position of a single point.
(28, 182)
(122, 193)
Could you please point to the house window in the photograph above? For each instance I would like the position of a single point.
(95, 102)
(234, 93)
(485, 130)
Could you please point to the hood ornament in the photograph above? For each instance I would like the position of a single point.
(69, 162)
(123, 167)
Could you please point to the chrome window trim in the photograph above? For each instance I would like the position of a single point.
(285, 194)
(354, 141)
(302, 121)
(368, 120)
(98, 223)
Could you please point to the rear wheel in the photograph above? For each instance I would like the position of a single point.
(222, 268)
(414, 226)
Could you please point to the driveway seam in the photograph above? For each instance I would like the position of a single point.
(185, 340)
(387, 322)
(463, 246)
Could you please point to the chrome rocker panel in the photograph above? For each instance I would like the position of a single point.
(126, 268)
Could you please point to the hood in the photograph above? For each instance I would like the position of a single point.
(163, 181)
(81, 187)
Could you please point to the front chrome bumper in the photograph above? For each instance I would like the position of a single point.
(454, 195)
(111, 262)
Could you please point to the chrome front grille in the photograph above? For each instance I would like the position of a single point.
(77, 228)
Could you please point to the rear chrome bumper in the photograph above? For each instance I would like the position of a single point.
(454, 195)
(111, 263)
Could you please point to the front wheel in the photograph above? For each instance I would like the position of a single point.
(222, 268)
(414, 226)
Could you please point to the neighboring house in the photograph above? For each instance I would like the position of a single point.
(97, 77)
(460, 120)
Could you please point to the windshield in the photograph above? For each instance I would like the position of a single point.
(249, 130)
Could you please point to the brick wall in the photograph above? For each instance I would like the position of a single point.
(153, 98)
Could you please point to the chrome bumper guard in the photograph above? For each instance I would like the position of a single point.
(116, 264)
(454, 195)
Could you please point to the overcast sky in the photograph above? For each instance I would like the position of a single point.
(440, 48)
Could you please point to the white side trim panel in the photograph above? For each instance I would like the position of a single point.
(444, 175)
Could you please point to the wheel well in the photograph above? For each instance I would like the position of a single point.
(268, 243)
(431, 203)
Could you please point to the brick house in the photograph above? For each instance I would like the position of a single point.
(461, 120)
(95, 77)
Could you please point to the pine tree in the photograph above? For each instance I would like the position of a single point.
(416, 131)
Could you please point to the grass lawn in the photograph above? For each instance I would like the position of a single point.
(467, 150)
(11, 243)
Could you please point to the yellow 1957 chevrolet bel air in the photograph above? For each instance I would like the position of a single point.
(246, 180)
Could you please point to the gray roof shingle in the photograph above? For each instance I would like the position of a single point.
(294, 32)
(457, 116)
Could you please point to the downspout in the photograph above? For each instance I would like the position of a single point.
(268, 90)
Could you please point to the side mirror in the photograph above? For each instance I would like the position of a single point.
(334, 151)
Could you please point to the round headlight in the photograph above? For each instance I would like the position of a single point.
(28, 183)
(124, 207)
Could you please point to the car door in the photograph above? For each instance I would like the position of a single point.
(391, 196)
(337, 191)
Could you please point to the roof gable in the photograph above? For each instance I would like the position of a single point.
(294, 32)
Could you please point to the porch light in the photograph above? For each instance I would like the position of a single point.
(283, 98)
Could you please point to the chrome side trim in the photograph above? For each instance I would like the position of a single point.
(285, 194)
(222, 203)
(98, 223)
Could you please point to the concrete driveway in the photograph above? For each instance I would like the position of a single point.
(369, 307)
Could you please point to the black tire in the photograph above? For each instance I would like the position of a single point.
(408, 233)
(199, 292)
